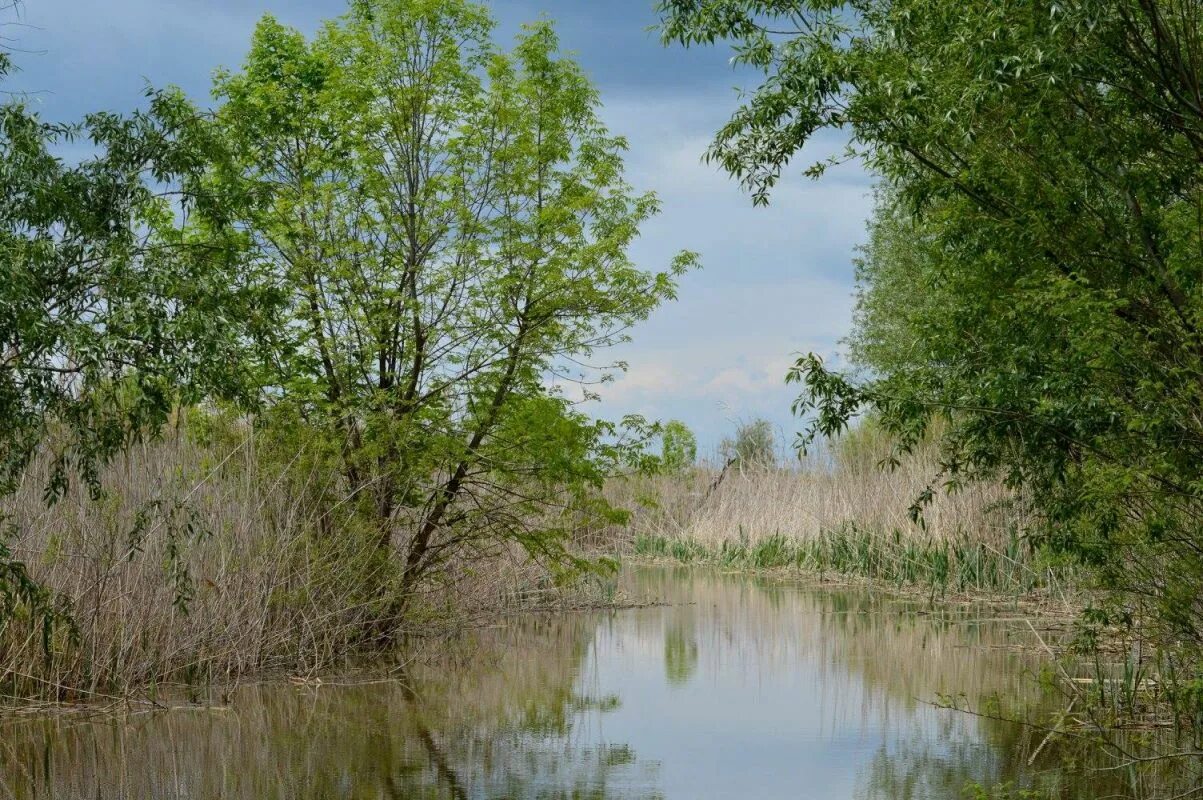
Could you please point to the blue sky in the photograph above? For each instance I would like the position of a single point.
(775, 281)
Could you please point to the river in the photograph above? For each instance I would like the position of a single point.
(731, 687)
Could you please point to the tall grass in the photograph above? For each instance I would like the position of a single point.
(204, 562)
(838, 514)
(963, 566)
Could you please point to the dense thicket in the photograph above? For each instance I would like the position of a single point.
(1034, 274)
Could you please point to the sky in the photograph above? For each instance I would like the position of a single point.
(775, 282)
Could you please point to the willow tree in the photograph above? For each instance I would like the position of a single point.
(112, 313)
(449, 224)
(1034, 275)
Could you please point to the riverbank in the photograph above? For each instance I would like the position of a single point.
(209, 559)
(845, 519)
(215, 556)
(948, 570)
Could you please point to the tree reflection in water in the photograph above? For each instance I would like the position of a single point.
(739, 687)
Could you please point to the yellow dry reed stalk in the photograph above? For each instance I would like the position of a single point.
(201, 564)
(802, 503)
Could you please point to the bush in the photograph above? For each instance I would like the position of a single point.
(679, 447)
(754, 446)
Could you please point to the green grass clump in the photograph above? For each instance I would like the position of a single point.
(956, 566)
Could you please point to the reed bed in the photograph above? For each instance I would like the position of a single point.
(202, 563)
(840, 516)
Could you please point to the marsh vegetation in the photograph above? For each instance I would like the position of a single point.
(838, 514)
(297, 383)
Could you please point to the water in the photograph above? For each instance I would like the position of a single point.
(737, 688)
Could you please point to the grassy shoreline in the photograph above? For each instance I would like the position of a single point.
(939, 571)
(843, 515)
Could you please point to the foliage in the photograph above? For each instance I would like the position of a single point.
(679, 447)
(448, 224)
(753, 446)
(862, 447)
(111, 313)
(1033, 275)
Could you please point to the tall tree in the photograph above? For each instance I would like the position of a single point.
(111, 312)
(1034, 273)
(449, 224)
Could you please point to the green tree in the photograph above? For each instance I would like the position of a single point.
(449, 225)
(679, 447)
(111, 313)
(1034, 274)
(752, 447)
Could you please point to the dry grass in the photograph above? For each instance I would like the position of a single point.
(843, 485)
(842, 515)
(200, 565)
(803, 503)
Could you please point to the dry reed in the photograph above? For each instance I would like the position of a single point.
(200, 564)
(802, 503)
(842, 514)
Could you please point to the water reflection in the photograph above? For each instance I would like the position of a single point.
(680, 654)
(737, 688)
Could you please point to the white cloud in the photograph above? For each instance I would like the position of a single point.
(775, 281)
(648, 378)
(765, 376)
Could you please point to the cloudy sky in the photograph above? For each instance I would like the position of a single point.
(775, 281)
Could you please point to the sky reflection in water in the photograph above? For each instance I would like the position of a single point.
(738, 688)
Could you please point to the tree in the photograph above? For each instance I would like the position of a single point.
(449, 225)
(752, 447)
(1034, 275)
(679, 447)
(111, 313)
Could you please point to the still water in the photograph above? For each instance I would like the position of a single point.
(736, 687)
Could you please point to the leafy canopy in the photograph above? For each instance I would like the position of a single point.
(1033, 276)
(679, 447)
(448, 224)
